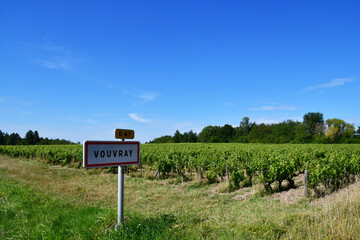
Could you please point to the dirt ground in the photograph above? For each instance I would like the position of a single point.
(294, 195)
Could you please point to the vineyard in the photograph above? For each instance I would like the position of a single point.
(329, 166)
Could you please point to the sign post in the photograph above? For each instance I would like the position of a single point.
(111, 154)
(120, 215)
(122, 134)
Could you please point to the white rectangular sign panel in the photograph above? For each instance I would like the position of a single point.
(110, 153)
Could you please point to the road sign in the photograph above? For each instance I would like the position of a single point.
(124, 134)
(110, 153)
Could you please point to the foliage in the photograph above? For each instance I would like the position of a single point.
(311, 130)
(211, 176)
(177, 138)
(237, 177)
(31, 138)
(314, 123)
(26, 214)
(328, 165)
(157, 210)
(163, 139)
(338, 129)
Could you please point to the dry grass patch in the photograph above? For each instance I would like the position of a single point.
(200, 210)
(338, 217)
(62, 181)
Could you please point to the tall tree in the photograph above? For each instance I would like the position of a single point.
(191, 136)
(245, 126)
(314, 124)
(284, 132)
(338, 128)
(163, 139)
(36, 137)
(259, 133)
(209, 134)
(29, 138)
(2, 138)
(177, 137)
(225, 133)
(13, 139)
(302, 135)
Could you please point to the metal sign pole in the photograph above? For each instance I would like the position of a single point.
(120, 213)
(110, 154)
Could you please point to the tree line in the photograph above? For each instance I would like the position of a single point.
(313, 129)
(31, 138)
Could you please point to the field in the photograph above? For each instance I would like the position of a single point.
(183, 192)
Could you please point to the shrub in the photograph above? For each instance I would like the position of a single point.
(237, 177)
(211, 176)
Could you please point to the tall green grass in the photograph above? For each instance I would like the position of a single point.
(42, 201)
(27, 214)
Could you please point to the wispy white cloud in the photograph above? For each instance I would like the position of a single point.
(136, 117)
(14, 101)
(229, 104)
(110, 86)
(146, 97)
(52, 56)
(149, 96)
(55, 64)
(331, 84)
(84, 120)
(274, 108)
(101, 114)
(50, 46)
(4, 100)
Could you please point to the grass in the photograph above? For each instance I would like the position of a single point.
(26, 214)
(41, 201)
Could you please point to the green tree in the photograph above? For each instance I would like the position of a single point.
(177, 137)
(246, 125)
(259, 133)
(163, 139)
(225, 133)
(209, 132)
(36, 137)
(314, 124)
(13, 139)
(29, 138)
(214, 139)
(45, 141)
(283, 132)
(191, 137)
(332, 133)
(301, 135)
(2, 138)
(338, 128)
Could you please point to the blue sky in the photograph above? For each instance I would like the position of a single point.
(79, 69)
